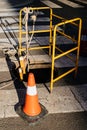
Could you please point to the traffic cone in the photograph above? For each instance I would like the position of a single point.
(32, 110)
(31, 106)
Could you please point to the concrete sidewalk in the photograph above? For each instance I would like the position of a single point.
(63, 99)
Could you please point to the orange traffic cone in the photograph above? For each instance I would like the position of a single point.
(31, 106)
(32, 110)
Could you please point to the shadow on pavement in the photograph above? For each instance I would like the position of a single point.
(17, 83)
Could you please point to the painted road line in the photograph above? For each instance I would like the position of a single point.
(8, 14)
(50, 4)
(82, 1)
(11, 21)
(8, 4)
(9, 9)
(16, 28)
(71, 4)
(9, 28)
(9, 42)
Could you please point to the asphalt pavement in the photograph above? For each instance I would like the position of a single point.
(61, 121)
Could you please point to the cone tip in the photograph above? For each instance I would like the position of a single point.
(31, 79)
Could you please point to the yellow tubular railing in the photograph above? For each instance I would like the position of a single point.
(22, 32)
(53, 30)
(65, 53)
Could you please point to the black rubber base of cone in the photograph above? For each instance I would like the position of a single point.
(31, 119)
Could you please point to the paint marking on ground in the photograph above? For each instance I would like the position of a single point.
(50, 4)
(71, 4)
(82, 1)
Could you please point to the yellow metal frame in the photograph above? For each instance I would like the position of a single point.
(53, 30)
(21, 32)
(54, 57)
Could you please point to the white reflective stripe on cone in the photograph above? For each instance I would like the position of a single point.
(31, 90)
